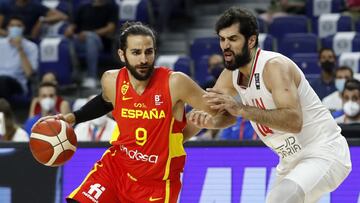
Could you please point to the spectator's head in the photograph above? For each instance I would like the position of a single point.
(47, 94)
(49, 77)
(9, 120)
(327, 60)
(15, 27)
(238, 31)
(215, 65)
(137, 49)
(342, 74)
(351, 98)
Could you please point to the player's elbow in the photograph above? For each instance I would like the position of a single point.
(296, 123)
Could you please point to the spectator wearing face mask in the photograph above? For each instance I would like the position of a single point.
(325, 85)
(334, 101)
(351, 103)
(215, 67)
(96, 130)
(9, 129)
(47, 95)
(61, 105)
(19, 60)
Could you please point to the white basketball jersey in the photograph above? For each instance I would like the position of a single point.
(318, 125)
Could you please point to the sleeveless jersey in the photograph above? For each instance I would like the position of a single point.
(318, 125)
(149, 138)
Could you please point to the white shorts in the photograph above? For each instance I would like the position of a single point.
(319, 171)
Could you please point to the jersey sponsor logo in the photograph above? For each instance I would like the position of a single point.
(263, 129)
(257, 80)
(138, 156)
(157, 99)
(153, 199)
(140, 105)
(143, 114)
(94, 192)
(289, 148)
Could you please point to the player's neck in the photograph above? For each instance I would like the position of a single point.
(247, 69)
(138, 85)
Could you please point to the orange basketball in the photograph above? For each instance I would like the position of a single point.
(52, 142)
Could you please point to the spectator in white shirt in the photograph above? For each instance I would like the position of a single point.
(351, 103)
(334, 101)
(19, 60)
(96, 130)
(10, 131)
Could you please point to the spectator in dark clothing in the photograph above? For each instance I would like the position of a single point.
(34, 14)
(92, 30)
(325, 85)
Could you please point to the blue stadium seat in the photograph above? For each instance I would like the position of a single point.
(342, 45)
(288, 24)
(298, 43)
(266, 42)
(201, 69)
(183, 64)
(142, 13)
(357, 26)
(321, 6)
(262, 25)
(308, 62)
(62, 68)
(199, 48)
(344, 23)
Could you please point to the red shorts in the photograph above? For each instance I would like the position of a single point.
(109, 184)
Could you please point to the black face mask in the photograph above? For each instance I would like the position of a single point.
(328, 66)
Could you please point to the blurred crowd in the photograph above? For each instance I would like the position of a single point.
(91, 28)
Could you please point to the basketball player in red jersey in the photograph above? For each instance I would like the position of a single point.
(147, 156)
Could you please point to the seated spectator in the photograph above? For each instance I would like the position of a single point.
(19, 60)
(47, 95)
(334, 101)
(34, 15)
(325, 85)
(96, 130)
(10, 131)
(241, 130)
(215, 67)
(92, 31)
(280, 8)
(61, 105)
(351, 103)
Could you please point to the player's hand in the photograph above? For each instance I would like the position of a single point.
(69, 118)
(199, 118)
(220, 101)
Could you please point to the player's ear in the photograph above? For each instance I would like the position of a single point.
(121, 54)
(252, 41)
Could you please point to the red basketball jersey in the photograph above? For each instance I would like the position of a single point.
(149, 138)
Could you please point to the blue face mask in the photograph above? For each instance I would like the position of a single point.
(340, 84)
(15, 31)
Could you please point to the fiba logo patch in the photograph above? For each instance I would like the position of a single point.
(257, 80)
(157, 100)
(94, 192)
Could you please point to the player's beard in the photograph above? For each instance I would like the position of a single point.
(138, 76)
(240, 59)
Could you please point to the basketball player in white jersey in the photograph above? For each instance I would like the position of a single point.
(269, 89)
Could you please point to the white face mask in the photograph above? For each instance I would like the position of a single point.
(351, 108)
(47, 104)
(15, 31)
(99, 121)
(340, 84)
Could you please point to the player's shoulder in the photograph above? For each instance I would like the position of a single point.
(110, 74)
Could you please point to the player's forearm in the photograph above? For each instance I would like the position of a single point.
(288, 120)
(190, 131)
(25, 63)
(223, 120)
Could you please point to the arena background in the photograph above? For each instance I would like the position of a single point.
(216, 171)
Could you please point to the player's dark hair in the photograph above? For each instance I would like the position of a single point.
(134, 28)
(248, 25)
